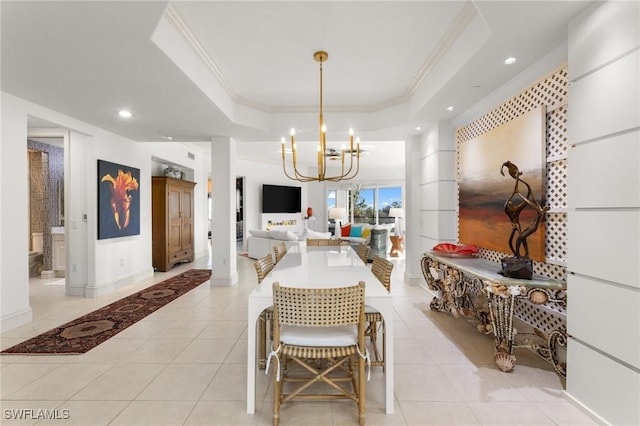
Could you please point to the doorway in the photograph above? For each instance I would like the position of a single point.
(240, 212)
(45, 165)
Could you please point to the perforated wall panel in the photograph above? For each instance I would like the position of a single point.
(551, 91)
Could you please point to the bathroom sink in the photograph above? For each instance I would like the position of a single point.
(57, 229)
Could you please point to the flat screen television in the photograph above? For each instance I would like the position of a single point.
(281, 199)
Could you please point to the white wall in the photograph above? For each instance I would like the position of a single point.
(14, 274)
(95, 266)
(433, 183)
(604, 212)
(256, 174)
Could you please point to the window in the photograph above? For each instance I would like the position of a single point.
(371, 204)
(388, 197)
(332, 198)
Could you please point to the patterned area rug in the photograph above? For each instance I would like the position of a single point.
(88, 331)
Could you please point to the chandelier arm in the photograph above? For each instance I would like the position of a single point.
(284, 169)
(346, 176)
(297, 176)
(294, 156)
(350, 164)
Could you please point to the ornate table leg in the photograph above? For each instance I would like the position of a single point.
(434, 284)
(556, 338)
(501, 303)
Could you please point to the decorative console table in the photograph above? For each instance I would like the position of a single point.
(471, 287)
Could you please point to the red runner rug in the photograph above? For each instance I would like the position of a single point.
(88, 331)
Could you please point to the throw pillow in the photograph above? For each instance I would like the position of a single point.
(281, 235)
(346, 230)
(259, 233)
(317, 235)
(356, 231)
(366, 232)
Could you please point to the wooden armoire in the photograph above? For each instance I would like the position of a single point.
(171, 221)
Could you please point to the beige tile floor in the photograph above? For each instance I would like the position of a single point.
(186, 365)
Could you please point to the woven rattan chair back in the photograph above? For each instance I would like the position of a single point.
(263, 266)
(279, 250)
(333, 365)
(323, 242)
(319, 307)
(363, 252)
(382, 269)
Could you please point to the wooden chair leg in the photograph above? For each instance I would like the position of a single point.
(372, 331)
(262, 342)
(277, 395)
(384, 346)
(361, 391)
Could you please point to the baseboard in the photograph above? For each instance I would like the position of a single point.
(585, 409)
(16, 319)
(110, 286)
(228, 281)
(414, 280)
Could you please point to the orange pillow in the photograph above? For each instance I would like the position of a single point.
(345, 230)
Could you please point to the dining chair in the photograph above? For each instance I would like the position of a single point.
(318, 331)
(263, 266)
(363, 252)
(279, 250)
(323, 242)
(382, 269)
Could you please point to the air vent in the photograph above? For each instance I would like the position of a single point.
(191, 155)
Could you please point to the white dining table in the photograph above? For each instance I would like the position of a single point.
(320, 267)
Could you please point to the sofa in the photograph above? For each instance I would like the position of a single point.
(261, 242)
(376, 236)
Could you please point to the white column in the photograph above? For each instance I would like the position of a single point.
(603, 250)
(432, 216)
(413, 251)
(80, 168)
(223, 217)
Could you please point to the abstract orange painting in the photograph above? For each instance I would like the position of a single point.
(483, 190)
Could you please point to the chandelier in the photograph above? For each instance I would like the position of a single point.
(350, 173)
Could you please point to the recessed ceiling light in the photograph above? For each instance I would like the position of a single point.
(418, 128)
(510, 60)
(124, 113)
(450, 108)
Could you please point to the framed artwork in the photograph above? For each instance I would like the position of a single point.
(118, 200)
(483, 190)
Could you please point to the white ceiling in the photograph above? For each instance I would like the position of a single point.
(194, 70)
